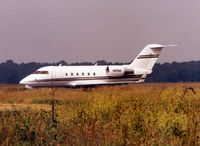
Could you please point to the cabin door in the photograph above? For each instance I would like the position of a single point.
(56, 73)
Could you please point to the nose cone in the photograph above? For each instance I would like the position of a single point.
(26, 80)
(23, 81)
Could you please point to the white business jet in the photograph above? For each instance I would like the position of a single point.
(73, 76)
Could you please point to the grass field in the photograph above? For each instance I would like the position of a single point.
(137, 114)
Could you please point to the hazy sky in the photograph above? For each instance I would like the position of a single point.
(90, 30)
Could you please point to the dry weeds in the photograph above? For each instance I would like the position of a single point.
(137, 114)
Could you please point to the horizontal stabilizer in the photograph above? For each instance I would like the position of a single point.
(158, 46)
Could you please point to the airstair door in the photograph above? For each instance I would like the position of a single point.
(56, 76)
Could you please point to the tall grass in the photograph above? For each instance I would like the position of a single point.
(144, 114)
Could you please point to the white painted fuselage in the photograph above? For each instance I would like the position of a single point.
(72, 76)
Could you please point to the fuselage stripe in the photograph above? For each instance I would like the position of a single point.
(90, 78)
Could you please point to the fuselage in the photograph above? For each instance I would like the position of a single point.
(71, 76)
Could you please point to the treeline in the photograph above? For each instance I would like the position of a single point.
(12, 73)
(176, 72)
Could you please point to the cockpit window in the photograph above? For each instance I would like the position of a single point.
(41, 72)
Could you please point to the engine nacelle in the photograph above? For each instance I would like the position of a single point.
(115, 71)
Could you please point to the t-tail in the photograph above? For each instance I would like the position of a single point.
(143, 64)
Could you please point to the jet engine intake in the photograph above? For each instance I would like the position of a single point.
(115, 71)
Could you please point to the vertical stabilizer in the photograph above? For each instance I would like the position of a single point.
(148, 56)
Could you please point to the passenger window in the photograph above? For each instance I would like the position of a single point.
(88, 74)
(66, 74)
(94, 73)
(77, 74)
(82, 73)
(71, 74)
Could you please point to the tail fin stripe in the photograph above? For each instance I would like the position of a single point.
(148, 56)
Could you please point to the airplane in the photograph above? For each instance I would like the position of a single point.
(75, 76)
